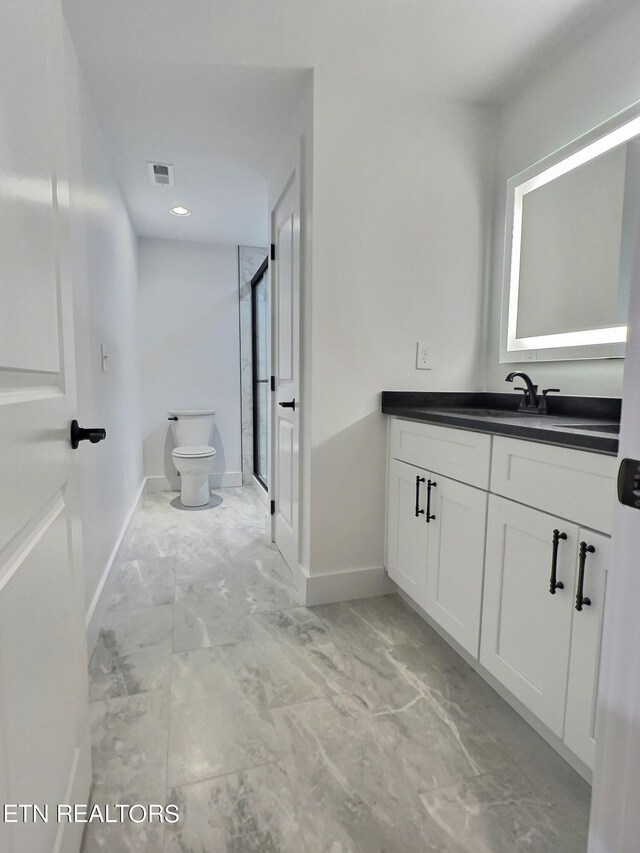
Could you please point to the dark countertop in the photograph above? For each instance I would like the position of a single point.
(586, 423)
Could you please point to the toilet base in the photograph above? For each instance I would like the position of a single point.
(194, 463)
(195, 490)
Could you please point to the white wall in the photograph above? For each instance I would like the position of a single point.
(401, 183)
(103, 257)
(297, 154)
(188, 330)
(592, 83)
(588, 85)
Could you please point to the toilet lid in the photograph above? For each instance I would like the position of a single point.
(194, 451)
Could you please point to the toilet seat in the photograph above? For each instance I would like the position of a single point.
(197, 451)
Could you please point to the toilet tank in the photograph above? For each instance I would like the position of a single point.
(193, 427)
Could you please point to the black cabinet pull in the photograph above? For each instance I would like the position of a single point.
(419, 480)
(290, 405)
(581, 599)
(553, 583)
(430, 484)
(78, 434)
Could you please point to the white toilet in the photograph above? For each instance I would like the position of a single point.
(193, 455)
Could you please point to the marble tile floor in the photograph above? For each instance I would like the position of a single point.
(276, 728)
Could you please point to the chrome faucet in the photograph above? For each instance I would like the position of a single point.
(531, 402)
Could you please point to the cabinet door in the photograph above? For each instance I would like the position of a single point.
(584, 665)
(455, 559)
(526, 631)
(406, 531)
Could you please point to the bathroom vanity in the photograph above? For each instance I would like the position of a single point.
(498, 529)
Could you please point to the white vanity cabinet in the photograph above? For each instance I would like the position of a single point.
(584, 663)
(407, 530)
(455, 560)
(526, 632)
(510, 520)
(436, 524)
(544, 650)
(542, 646)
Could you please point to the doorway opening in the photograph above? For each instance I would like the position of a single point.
(260, 372)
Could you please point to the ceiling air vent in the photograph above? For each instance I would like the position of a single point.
(161, 174)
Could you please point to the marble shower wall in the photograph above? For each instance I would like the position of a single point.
(249, 259)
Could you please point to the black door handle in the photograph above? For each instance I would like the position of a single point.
(419, 511)
(78, 434)
(291, 404)
(581, 599)
(430, 484)
(553, 583)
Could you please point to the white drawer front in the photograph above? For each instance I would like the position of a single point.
(573, 484)
(456, 453)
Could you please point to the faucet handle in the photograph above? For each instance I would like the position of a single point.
(550, 391)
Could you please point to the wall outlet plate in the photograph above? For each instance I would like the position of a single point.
(423, 356)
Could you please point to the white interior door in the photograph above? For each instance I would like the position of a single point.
(44, 754)
(615, 816)
(285, 296)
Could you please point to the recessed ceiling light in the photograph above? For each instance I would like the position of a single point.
(180, 211)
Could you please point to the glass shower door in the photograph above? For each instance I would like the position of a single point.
(261, 379)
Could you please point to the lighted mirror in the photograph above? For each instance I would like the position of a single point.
(572, 224)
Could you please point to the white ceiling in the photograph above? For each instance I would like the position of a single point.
(210, 85)
(219, 127)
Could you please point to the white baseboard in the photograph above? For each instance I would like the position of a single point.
(551, 738)
(98, 606)
(225, 480)
(343, 586)
(158, 484)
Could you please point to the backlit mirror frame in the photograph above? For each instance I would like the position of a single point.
(592, 343)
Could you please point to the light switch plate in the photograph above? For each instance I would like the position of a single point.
(423, 356)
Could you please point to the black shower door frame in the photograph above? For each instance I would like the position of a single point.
(256, 380)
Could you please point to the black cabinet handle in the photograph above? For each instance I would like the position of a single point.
(419, 511)
(553, 583)
(430, 484)
(291, 404)
(581, 599)
(78, 434)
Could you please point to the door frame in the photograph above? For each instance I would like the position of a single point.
(292, 178)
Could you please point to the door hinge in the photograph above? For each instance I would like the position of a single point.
(273, 507)
(273, 251)
(273, 383)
